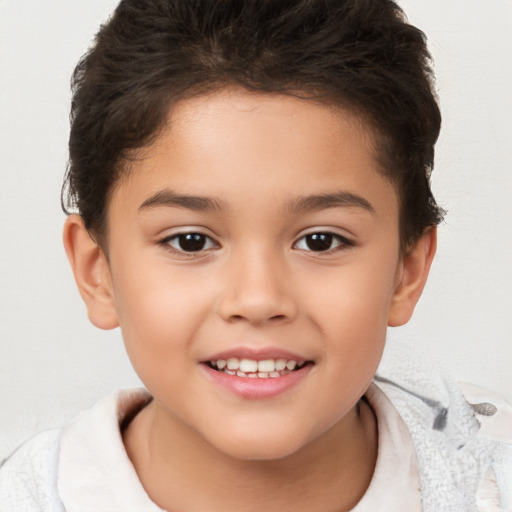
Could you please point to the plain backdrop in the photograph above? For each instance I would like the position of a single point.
(53, 363)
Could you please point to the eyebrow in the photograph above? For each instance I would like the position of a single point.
(311, 203)
(320, 202)
(169, 198)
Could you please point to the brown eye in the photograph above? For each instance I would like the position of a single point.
(190, 242)
(322, 242)
(319, 241)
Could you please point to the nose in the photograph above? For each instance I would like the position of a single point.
(257, 289)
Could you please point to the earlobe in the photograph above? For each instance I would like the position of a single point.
(92, 273)
(413, 273)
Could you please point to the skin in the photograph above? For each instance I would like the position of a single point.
(256, 285)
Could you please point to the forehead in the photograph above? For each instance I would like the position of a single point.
(240, 146)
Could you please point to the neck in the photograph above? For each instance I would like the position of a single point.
(331, 473)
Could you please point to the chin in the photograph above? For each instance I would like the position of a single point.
(262, 447)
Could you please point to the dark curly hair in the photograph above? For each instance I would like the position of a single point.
(356, 54)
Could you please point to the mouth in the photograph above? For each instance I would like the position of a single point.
(257, 374)
(257, 369)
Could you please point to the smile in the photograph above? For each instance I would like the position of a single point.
(257, 373)
(253, 369)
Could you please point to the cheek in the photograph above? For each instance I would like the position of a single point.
(357, 297)
(352, 310)
(158, 312)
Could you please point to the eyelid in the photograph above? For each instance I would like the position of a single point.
(208, 238)
(344, 241)
(171, 232)
(188, 230)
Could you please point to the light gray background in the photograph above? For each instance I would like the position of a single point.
(53, 363)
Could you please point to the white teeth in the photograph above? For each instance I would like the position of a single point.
(267, 365)
(233, 363)
(248, 365)
(267, 368)
(291, 365)
(280, 364)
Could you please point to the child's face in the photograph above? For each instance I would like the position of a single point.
(255, 177)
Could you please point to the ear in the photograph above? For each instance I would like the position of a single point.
(92, 273)
(411, 277)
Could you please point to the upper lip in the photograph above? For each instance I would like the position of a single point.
(258, 354)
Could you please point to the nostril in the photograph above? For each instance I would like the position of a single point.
(277, 317)
(244, 305)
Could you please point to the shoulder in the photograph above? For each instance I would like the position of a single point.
(463, 439)
(28, 478)
(492, 412)
(95, 472)
(494, 417)
(51, 471)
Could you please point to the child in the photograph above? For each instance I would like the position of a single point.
(254, 209)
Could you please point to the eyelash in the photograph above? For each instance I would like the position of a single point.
(167, 243)
(206, 243)
(342, 242)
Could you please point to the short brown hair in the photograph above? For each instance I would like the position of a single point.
(360, 54)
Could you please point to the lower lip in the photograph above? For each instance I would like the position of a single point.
(257, 388)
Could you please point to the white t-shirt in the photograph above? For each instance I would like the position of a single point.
(84, 467)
